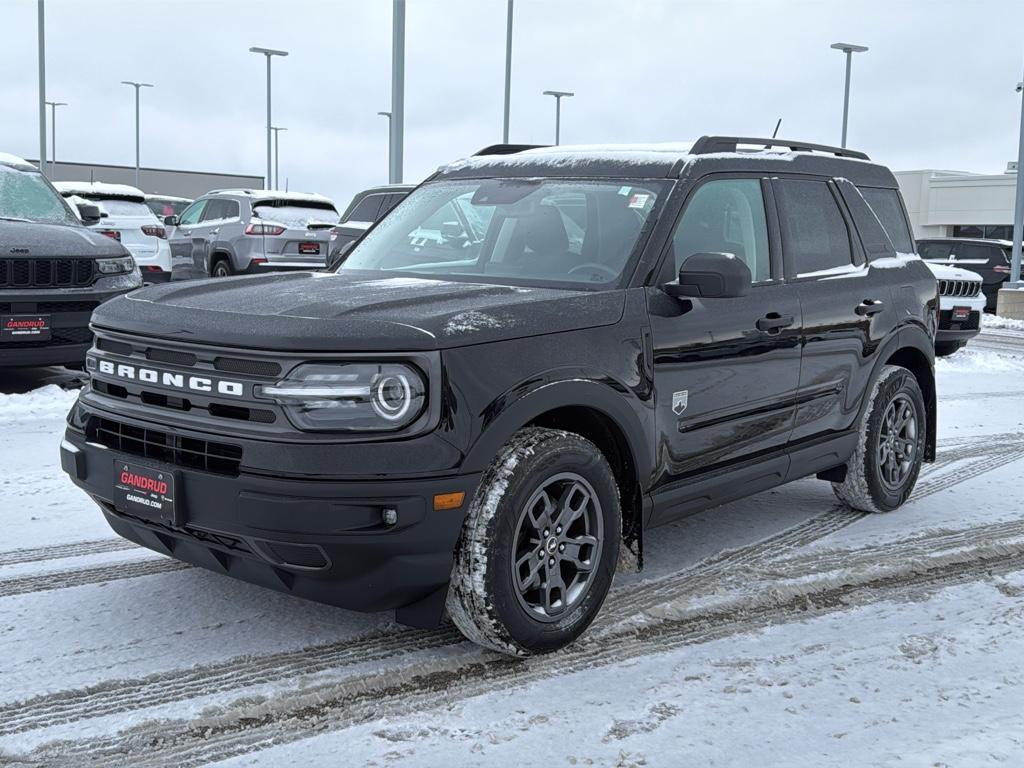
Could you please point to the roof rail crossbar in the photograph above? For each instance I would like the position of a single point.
(707, 144)
(508, 149)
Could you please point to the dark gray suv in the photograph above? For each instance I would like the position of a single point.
(231, 231)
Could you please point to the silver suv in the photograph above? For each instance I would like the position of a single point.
(232, 231)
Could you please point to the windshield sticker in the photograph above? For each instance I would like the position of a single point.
(638, 200)
(624, 190)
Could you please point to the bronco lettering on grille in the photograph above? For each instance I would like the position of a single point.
(172, 380)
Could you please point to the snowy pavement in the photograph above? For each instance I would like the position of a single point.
(782, 629)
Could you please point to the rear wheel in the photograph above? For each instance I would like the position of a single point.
(539, 545)
(883, 469)
(222, 268)
(947, 348)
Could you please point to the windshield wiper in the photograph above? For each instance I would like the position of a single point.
(15, 218)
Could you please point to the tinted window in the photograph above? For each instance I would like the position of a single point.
(118, 207)
(887, 207)
(192, 213)
(980, 253)
(390, 201)
(813, 229)
(367, 209)
(726, 216)
(217, 209)
(934, 250)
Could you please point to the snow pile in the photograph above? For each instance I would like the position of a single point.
(994, 321)
(43, 403)
(969, 360)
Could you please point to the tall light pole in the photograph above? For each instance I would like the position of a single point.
(53, 136)
(849, 49)
(136, 86)
(397, 91)
(559, 95)
(42, 88)
(388, 116)
(277, 157)
(508, 73)
(1018, 208)
(269, 53)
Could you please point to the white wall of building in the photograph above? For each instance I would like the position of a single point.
(939, 200)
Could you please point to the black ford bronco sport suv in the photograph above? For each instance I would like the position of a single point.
(605, 340)
(54, 271)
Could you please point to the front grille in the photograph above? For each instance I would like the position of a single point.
(186, 359)
(250, 367)
(57, 336)
(47, 273)
(946, 322)
(205, 455)
(163, 400)
(117, 347)
(959, 288)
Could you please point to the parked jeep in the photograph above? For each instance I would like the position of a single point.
(54, 270)
(630, 335)
(234, 231)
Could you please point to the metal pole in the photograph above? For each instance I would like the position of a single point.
(53, 140)
(42, 89)
(397, 90)
(269, 178)
(1018, 208)
(508, 73)
(558, 119)
(277, 160)
(137, 135)
(846, 96)
(388, 116)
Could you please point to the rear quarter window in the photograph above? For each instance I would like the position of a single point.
(888, 207)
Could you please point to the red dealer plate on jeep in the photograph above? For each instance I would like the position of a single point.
(961, 313)
(144, 492)
(309, 247)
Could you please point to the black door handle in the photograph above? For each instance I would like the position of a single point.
(773, 322)
(869, 307)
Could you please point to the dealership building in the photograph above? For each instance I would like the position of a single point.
(153, 181)
(960, 204)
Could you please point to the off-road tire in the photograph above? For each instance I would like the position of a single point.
(864, 489)
(484, 600)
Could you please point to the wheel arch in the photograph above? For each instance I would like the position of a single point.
(915, 351)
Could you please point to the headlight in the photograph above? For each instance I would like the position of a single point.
(364, 397)
(117, 266)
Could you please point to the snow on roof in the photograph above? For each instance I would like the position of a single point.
(98, 189)
(14, 160)
(171, 198)
(276, 194)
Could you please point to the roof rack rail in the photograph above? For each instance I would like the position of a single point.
(508, 149)
(707, 144)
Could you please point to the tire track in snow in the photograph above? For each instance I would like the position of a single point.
(114, 697)
(246, 726)
(45, 582)
(61, 551)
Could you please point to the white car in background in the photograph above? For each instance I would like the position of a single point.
(127, 219)
(961, 304)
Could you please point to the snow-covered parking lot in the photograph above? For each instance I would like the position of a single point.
(780, 630)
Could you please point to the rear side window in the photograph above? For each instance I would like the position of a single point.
(367, 209)
(887, 207)
(974, 252)
(814, 232)
(726, 216)
(220, 209)
(390, 201)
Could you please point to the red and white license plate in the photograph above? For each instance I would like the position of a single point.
(24, 327)
(309, 247)
(145, 492)
(961, 313)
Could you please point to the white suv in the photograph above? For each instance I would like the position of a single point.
(961, 303)
(127, 219)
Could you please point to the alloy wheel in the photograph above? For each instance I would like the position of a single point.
(897, 442)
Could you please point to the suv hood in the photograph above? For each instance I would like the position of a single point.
(54, 240)
(322, 312)
(945, 272)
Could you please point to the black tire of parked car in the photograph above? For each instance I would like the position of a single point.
(947, 348)
(546, 513)
(222, 268)
(881, 474)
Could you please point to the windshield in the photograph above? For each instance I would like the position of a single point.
(513, 230)
(295, 216)
(24, 194)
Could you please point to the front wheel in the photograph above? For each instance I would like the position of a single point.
(883, 469)
(539, 545)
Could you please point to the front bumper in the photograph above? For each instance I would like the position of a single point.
(323, 540)
(957, 330)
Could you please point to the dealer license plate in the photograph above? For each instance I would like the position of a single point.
(24, 328)
(144, 492)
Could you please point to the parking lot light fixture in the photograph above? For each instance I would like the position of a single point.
(53, 136)
(137, 87)
(849, 49)
(269, 53)
(559, 95)
(1018, 208)
(277, 156)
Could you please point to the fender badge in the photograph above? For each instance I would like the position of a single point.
(680, 401)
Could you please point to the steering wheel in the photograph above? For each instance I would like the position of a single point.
(594, 266)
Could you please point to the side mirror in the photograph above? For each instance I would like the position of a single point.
(170, 221)
(90, 213)
(711, 276)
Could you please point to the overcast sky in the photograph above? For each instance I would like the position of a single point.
(936, 90)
